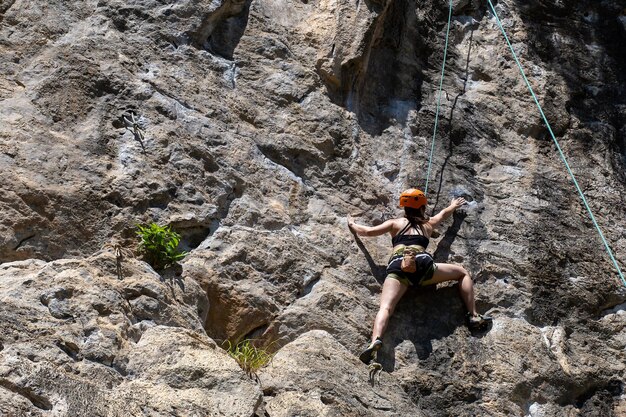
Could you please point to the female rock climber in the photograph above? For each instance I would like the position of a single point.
(411, 265)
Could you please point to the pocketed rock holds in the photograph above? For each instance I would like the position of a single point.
(74, 342)
(316, 376)
(258, 140)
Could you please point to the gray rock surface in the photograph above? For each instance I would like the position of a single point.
(260, 124)
(316, 376)
(77, 340)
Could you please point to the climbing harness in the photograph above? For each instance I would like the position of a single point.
(408, 260)
(443, 70)
(558, 147)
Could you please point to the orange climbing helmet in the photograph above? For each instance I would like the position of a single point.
(413, 198)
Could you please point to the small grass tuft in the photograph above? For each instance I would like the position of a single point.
(249, 357)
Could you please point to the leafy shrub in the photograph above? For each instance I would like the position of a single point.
(159, 245)
(249, 357)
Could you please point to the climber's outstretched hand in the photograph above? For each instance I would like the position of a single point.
(351, 223)
(457, 202)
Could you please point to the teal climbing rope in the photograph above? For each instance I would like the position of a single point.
(443, 70)
(558, 147)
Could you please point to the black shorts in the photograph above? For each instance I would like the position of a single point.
(425, 268)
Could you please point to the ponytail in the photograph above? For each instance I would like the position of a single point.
(416, 216)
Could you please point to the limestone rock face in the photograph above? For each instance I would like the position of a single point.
(77, 340)
(253, 128)
(316, 376)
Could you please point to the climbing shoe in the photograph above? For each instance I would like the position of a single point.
(478, 321)
(368, 354)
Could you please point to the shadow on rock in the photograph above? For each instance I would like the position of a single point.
(173, 275)
(378, 271)
(423, 315)
(442, 253)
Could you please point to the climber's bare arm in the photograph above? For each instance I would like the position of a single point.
(381, 229)
(447, 212)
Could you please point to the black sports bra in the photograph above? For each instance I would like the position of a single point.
(403, 239)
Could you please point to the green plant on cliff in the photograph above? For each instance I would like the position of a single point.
(159, 245)
(249, 357)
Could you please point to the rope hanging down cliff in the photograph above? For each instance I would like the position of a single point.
(443, 70)
(558, 147)
(545, 120)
